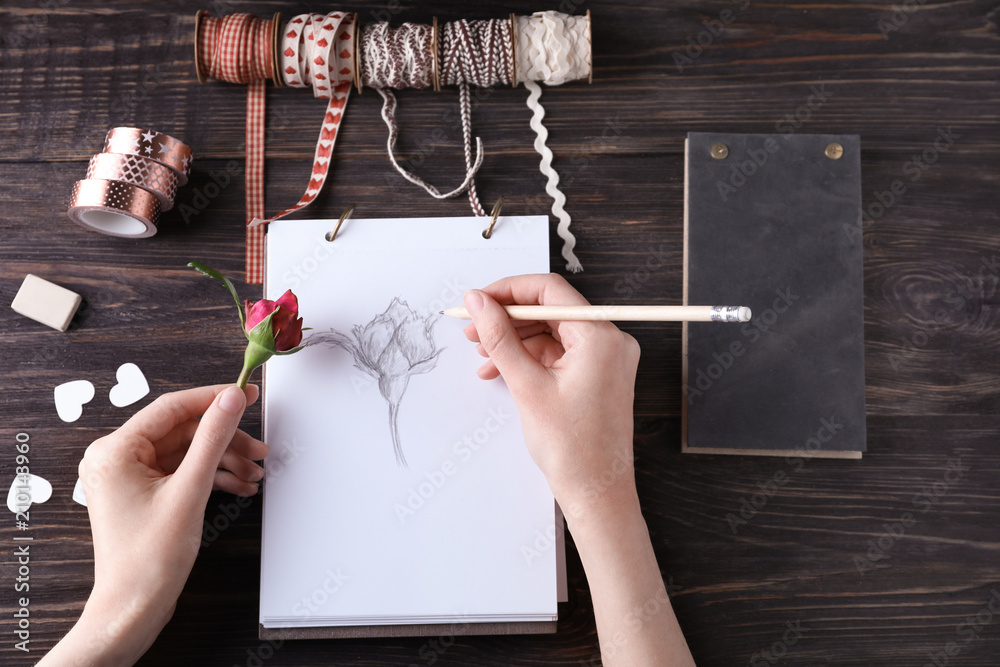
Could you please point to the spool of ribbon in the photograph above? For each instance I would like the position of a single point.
(329, 52)
(311, 50)
(129, 184)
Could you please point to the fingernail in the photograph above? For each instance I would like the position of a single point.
(473, 301)
(232, 400)
(257, 474)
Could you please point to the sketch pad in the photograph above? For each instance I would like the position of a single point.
(354, 542)
(773, 223)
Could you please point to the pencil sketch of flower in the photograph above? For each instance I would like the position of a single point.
(391, 348)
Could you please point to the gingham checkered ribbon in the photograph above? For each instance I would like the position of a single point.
(317, 50)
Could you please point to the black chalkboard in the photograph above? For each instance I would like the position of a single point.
(773, 222)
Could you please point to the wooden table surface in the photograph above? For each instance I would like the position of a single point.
(821, 553)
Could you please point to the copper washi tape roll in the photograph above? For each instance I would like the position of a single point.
(115, 208)
(137, 170)
(156, 146)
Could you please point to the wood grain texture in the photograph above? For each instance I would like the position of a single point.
(70, 70)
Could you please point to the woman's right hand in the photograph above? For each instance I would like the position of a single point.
(573, 383)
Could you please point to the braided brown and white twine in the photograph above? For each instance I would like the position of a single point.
(471, 52)
(397, 57)
(476, 52)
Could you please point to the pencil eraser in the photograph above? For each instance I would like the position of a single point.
(46, 302)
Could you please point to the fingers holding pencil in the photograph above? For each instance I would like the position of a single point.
(524, 328)
(531, 289)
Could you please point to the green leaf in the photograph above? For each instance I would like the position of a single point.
(212, 273)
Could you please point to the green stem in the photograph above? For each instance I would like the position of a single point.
(244, 377)
(254, 356)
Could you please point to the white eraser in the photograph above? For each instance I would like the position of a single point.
(46, 302)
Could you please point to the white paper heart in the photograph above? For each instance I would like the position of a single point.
(131, 386)
(78, 492)
(23, 492)
(70, 398)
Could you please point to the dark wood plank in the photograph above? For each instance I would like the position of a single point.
(70, 71)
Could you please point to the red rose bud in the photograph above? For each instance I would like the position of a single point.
(286, 324)
(270, 327)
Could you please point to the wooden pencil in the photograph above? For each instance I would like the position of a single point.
(619, 313)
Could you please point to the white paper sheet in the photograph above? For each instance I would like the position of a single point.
(350, 536)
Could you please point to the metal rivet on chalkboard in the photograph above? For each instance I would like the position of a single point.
(720, 151)
(834, 151)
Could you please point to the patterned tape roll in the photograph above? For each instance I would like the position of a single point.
(114, 208)
(153, 145)
(137, 170)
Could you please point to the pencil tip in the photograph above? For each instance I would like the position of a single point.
(440, 312)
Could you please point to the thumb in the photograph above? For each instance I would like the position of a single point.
(502, 343)
(216, 429)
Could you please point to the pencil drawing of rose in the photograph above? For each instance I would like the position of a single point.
(391, 348)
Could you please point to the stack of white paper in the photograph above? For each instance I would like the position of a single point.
(446, 521)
